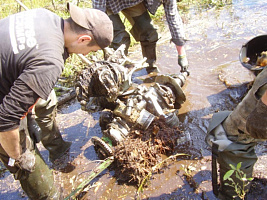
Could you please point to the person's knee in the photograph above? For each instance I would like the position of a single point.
(143, 29)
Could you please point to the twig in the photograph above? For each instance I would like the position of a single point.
(21, 4)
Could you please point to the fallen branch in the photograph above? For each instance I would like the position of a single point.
(95, 172)
(66, 97)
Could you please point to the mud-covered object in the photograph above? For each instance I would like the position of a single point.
(97, 81)
(257, 121)
(134, 159)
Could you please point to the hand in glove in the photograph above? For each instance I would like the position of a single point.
(10, 142)
(183, 62)
(26, 161)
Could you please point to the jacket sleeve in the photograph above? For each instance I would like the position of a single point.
(256, 123)
(15, 105)
(175, 22)
(100, 5)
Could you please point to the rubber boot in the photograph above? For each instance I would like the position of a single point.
(144, 31)
(51, 137)
(149, 51)
(120, 34)
(234, 154)
(54, 143)
(39, 184)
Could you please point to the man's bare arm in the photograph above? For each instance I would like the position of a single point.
(10, 141)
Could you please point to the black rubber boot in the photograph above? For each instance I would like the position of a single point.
(120, 34)
(144, 31)
(55, 144)
(234, 154)
(149, 51)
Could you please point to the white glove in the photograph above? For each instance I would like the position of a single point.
(26, 161)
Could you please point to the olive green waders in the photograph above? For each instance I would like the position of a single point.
(233, 154)
(38, 184)
(242, 147)
(51, 138)
(142, 30)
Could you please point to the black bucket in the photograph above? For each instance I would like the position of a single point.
(251, 51)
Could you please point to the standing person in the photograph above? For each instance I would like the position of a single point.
(33, 48)
(142, 29)
(234, 135)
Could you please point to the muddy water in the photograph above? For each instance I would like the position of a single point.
(217, 82)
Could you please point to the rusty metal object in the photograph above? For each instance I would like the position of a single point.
(103, 149)
(139, 121)
(108, 85)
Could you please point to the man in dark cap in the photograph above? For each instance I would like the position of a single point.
(33, 48)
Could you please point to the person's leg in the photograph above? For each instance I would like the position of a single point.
(143, 31)
(50, 135)
(121, 36)
(38, 184)
(234, 154)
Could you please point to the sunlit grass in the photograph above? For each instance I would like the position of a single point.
(57, 6)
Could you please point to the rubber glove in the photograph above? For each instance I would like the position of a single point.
(183, 62)
(26, 161)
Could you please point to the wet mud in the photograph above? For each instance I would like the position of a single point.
(217, 82)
